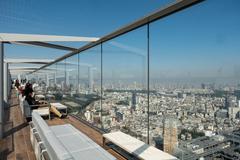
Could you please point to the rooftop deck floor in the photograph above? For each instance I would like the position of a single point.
(16, 143)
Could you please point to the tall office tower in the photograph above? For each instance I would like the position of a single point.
(226, 102)
(133, 107)
(203, 86)
(90, 79)
(47, 80)
(233, 112)
(170, 136)
(67, 78)
(230, 101)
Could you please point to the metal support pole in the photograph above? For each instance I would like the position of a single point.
(55, 79)
(26, 76)
(101, 84)
(148, 83)
(1, 89)
(37, 78)
(9, 82)
(47, 80)
(78, 74)
(5, 83)
(19, 78)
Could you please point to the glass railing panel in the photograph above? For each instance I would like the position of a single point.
(60, 80)
(52, 83)
(42, 79)
(51, 77)
(124, 99)
(89, 89)
(71, 83)
(194, 77)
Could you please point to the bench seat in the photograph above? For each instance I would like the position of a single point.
(64, 142)
(78, 144)
(136, 147)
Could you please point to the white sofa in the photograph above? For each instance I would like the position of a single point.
(64, 142)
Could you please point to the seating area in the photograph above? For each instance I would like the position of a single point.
(64, 141)
(60, 107)
(17, 141)
(43, 106)
(61, 142)
(27, 109)
(136, 147)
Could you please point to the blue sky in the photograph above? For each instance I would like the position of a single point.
(203, 40)
(76, 17)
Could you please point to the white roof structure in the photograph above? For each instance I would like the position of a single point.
(21, 70)
(15, 37)
(33, 61)
(39, 40)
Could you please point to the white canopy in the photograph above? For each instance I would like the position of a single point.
(13, 37)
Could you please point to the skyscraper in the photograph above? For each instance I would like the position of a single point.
(133, 107)
(90, 79)
(170, 136)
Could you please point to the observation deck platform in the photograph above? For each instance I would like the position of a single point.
(16, 143)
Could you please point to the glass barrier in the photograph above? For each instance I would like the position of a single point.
(89, 96)
(124, 99)
(166, 83)
(71, 84)
(194, 76)
(52, 83)
(61, 80)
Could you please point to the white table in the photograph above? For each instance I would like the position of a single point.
(136, 147)
(43, 111)
(59, 106)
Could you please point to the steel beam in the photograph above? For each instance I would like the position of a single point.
(15, 37)
(27, 60)
(47, 45)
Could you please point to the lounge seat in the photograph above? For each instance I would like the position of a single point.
(27, 109)
(64, 142)
(136, 147)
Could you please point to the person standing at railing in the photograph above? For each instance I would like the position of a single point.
(28, 89)
(17, 84)
(31, 100)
